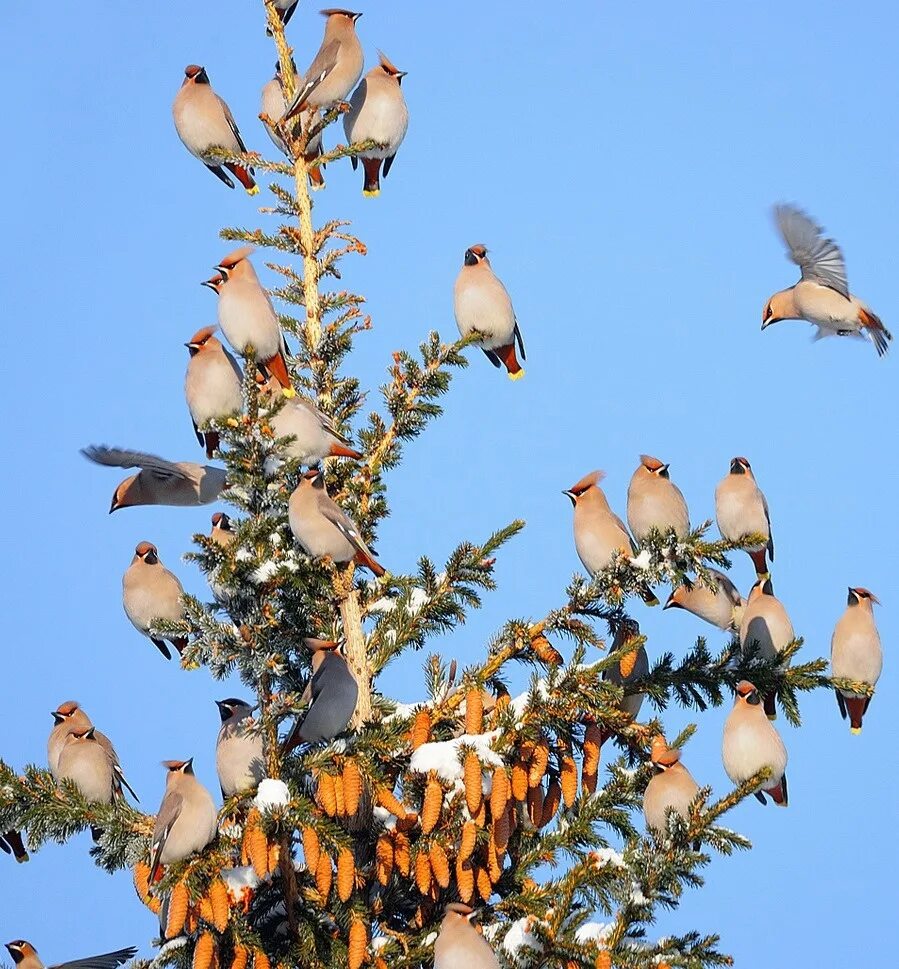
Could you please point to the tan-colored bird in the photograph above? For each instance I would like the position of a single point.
(222, 533)
(25, 956)
(285, 10)
(741, 510)
(751, 744)
(336, 67)
(69, 718)
(159, 482)
(654, 501)
(856, 654)
(482, 303)
(149, 593)
(323, 528)
(246, 314)
(765, 630)
(239, 758)
(377, 113)
(203, 121)
(633, 668)
(213, 385)
(671, 788)
(85, 763)
(187, 820)
(598, 532)
(332, 692)
(274, 106)
(11, 843)
(459, 945)
(722, 606)
(821, 296)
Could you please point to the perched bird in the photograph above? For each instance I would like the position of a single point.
(239, 758)
(25, 956)
(765, 629)
(332, 692)
(151, 592)
(821, 296)
(187, 820)
(85, 763)
(598, 532)
(742, 510)
(159, 482)
(285, 9)
(246, 314)
(69, 718)
(11, 844)
(654, 501)
(482, 303)
(633, 668)
(204, 121)
(336, 67)
(459, 945)
(213, 385)
(855, 654)
(722, 606)
(222, 534)
(274, 107)
(323, 528)
(671, 788)
(751, 743)
(377, 113)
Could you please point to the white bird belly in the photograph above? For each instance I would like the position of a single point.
(483, 309)
(249, 321)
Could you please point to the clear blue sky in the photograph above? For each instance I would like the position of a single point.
(620, 160)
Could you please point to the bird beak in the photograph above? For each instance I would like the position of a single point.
(671, 604)
(572, 496)
(401, 74)
(213, 283)
(356, 16)
(115, 504)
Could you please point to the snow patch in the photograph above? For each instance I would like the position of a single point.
(607, 856)
(520, 937)
(271, 794)
(642, 561)
(239, 880)
(593, 932)
(445, 757)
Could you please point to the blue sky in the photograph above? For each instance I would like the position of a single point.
(620, 160)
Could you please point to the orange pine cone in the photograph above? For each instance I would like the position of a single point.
(603, 960)
(204, 951)
(323, 876)
(474, 712)
(552, 801)
(539, 763)
(260, 960)
(193, 921)
(357, 945)
(535, 804)
(256, 843)
(346, 874)
(204, 910)
(352, 787)
(339, 795)
(592, 744)
(468, 841)
(474, 793)
(421, 728)
(423, 872)
(519, 783)
(499, 792)
(439, 864)
(380, 963)
(384, 858)
(485, 886)
(431, 805)
(327, 795)
(179, 900)
(588, 782)
(387, 800)
(501, 831)
(546, 652)
(142, 887)
(311, 849)
(627, 663)
(241, 956)
(464, 880)
(402, 855)
(221, 907)
(568, 778)
(274, 855)
(494, 866)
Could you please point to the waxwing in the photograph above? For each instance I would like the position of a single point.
(633, 668)
(274, 107)
(765, 629)
(336, 67)
(722, 606)
(459, 945)
(742, 510)
(151, 592)
(332, 693)
(187, 820)
(655, 502)
(855, 654)
(239, 759)
(213, 385)
(11, 843)
(751, 743)
(671, 788)
(25, 956)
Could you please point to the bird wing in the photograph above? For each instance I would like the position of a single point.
(517, 336)
(201, 440)
(341, 521)
(768, 520)
(108, 960)
(169, 811)
(326, 422)
(113, 457)
(232, 124)
(819, 258)
(123, 781)
(324, 62)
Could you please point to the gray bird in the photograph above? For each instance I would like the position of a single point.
(856, 654)
(633, 668)
(741, 509)
(751, 743)
(765, 629)
(722, 606)
(332, 693)
(274, 107)
(336, 67)
(25, 956)
(87, 765)
(655, 502)
(187, 820)
(151, 592)
(213, 385)
(159, 482)
(459, 945)
(239, 757)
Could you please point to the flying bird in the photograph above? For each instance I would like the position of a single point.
(25, 956)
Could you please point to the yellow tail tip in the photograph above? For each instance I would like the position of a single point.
(288, 392)
(855, 731)
(772, 717)
(370, 193)
(517, 376)
(253, 191)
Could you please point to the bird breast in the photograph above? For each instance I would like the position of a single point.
(856, 652)
(739, 508)
(212, 387)
(656, 503)
(194, 827)
(596, 537)
(767, 626)
(148, 597)
(200, 121)
(483, 304)
(239, 758)
(248, 319)
(670, 789)
(377, 113)
(750, 745)
(87, 765)
(823, 305)
(316, 534)
(311, 441)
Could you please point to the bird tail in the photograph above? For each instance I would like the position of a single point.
(244, 177)
(770, 706)
(648, 596)
(856, 707)
(161, 646)
(316, 179)
(372, 169)
(779, 793)
(879, 334)
(759, 561)
(211, 439)
(339, 451)
(364, 559)
(11, 842)
(180, 644)
(510, 361)
(277, 367)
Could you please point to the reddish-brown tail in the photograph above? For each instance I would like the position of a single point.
(372, 169)
(758, 560)
(211, 439)
(605, 734)
(278, 369)
(880, 335)
(510, 361)
(770, 707)
(244, 177)
(856, 707)
(180, 644)
(340, 451)
(361, 558)
(316, 179)
(12, 841)
(779, 794)
(648, 596)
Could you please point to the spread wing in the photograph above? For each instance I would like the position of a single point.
(819, 258)
(108, 960)
(113, 457)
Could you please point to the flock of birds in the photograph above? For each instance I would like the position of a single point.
(187, 818)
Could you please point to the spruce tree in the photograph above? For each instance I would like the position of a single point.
(527, 805)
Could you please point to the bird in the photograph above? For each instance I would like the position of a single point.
(331, 693)
(459, 945)
(482, 303)
(671, 788)
(222, 534)
(821, 296)
(12, 844)
(274, 107)
(377, 113)
(213, 385)
(187, 820)
(598, 532)
(204, 121)
(337, 66)
(722, 606)
(25, 956)
(741, 510)
(239, 758)
(323, 528)
(655, 502)
(151, 592)
(285, 10)
(855, 654)
(246, 314)
(633, 668)
(765, 630)
(70, 718)
(85, 763)
(159, 482)
(751, 744)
